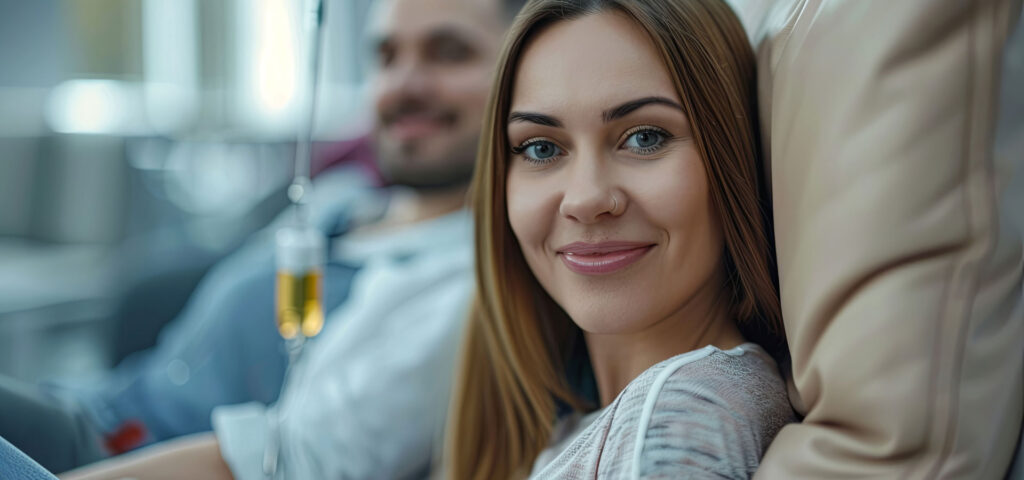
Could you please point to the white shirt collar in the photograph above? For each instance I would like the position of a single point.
(444, 233)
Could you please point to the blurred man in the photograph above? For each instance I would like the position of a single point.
(368, 398)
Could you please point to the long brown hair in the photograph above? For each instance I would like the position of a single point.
(519, 342)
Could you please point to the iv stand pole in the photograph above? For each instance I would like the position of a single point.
(301, 185)
(297, 193)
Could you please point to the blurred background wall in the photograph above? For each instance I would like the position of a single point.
(140, 141)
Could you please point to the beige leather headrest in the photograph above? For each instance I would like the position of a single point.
(901, 289)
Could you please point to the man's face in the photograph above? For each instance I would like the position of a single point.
(435, 61)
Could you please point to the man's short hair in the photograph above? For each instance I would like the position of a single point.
(511, 8)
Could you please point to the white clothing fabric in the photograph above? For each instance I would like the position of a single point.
(368, 398)
(708, 413)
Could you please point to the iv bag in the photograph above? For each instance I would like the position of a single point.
(299, 290)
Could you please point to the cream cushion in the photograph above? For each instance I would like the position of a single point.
(901, 286)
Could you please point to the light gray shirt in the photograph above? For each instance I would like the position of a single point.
(369, 396)
(708, 413)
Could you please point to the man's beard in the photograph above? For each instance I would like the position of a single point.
(412, 163)
(403, 164)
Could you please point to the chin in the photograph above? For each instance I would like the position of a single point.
(607, 318)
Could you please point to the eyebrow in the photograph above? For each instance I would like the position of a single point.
(450, 32)
(443, 32)
(607, 116)
(632, 105)
(538, 118)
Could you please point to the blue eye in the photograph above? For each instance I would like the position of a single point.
(538, 151)
(646, 140)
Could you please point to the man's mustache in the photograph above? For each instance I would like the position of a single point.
(417, 108)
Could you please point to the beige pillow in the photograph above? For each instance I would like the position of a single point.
(901, 288)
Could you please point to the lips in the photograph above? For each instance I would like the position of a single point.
(602, 258)
(411, 125)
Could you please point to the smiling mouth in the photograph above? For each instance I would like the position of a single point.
(602, 258)
(414, 126)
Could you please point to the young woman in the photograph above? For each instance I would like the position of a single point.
(627, 311)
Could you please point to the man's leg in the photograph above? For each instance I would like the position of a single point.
(17, 465)
(57, 436)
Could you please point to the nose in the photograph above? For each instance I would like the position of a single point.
(404, 78)
(590, 195)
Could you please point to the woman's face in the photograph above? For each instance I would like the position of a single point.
(607, 193)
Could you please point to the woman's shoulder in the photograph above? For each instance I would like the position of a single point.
(709, 411)
(705, 413)
(744, 379)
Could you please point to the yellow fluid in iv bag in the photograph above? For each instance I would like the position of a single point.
(299, 288)
(299, 300)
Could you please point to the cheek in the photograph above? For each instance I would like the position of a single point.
(678, 199)
(531, 208)
(468, 88)
(382, 97)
